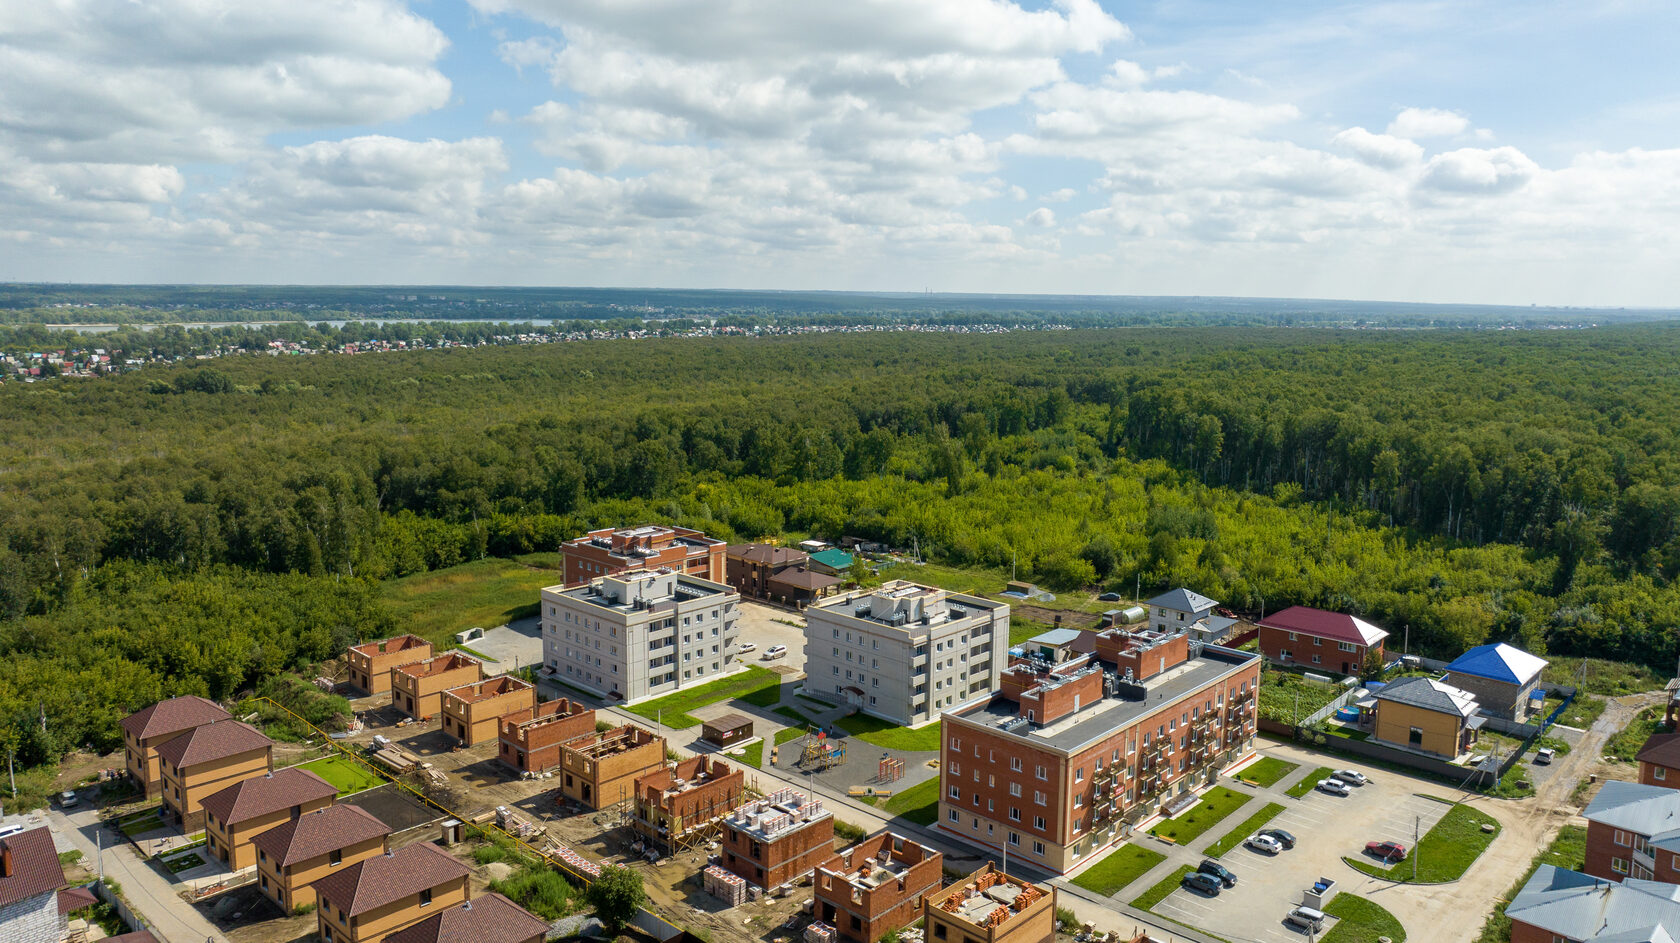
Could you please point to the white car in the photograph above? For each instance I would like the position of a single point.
(1351, 777)
(775, 651)
(745, 647)
(1333, 786)
(68, 798)
(1265, 843)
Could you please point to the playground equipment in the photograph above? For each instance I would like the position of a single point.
(818, 752)
(891, 770)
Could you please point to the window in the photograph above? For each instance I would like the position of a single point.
(1014, 839)
(1079, 775)
(956, 768)
(335, 858)
(1038, 822)
(1284, 654)
(1042, 774)
(1079, 800)
(1292, 636)
(1015, 763)
(1317, 660)
(939, 931)
(1014, 814)
(426, 897)
(953, 816)
(1347, 646)
(1659, 773)
(1038, 797)
(1622, 838)
(1318, 641)
(1015, 789)
(1415, 738)
(956, 793)
(1619, 865)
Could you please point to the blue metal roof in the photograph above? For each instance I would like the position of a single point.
(1500, 662)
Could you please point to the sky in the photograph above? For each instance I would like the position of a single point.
(1475, 151)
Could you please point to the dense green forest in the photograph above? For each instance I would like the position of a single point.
(200, 528)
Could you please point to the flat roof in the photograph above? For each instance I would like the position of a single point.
(1101, 718)
(692, 588)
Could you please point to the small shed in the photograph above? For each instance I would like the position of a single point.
(727, 730)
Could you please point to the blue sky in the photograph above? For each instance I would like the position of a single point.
(1466, 151)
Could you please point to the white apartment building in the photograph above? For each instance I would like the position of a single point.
(640, 633)
(905, 652)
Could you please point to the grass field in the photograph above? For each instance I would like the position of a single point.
(183, 863)
(484, 593)
(1216, 803)
(1597, 676)
(754, 755)
(1119, 869)
(1148, 899)
(672, 709)
(919, 803)
(1568, 850)
(1361, 921)
(1286, 696)
(343, 774)
(1581, 712)
(1267, 770)
(790, 733)
(891, 736)
(1444, 854)
(1625, 744)
(1249, 826)
(792, 715)
(1306, 785)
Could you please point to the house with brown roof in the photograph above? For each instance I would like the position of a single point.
(295, 854)
(371, 662)
(490, 918)
(30, 877)
(206, 760)
(471, 712)
(776, 574)
(150, 727)
(250, 807)
(529, 740)
(1659, 760)
(1319, 640)
(370, 900)
(417, 689)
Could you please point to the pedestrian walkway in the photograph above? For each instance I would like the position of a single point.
(151, 895)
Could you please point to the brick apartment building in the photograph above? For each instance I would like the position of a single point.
(1659, 760)
(371, 662)
(989, 906)
(472, 712)
(236, 815)
(295, 854)
(417, 689)
(368, 901)
(679, 805)
(1633, 830)
(1318, 640)
(778, 839)
(206, 760)
(600, 769)
(876, 886)
(150, 727)
(529, 740)
(1561, 906)
(609, 552)
(1076, 746)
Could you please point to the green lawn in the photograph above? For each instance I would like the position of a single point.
(1216, 803)
(140, 825)
(484, 593)
(1306, 785)
(1119, 869)
(792, 715)
(1626, 743)
(346, 775)
(789, 733)
(1568, 850)
(919, 803)
(672, 709)
(768, 696)
(754, 755)
(1444, 854)
(1148, 899)
(1360, 921)
(1249, 826)
(1267, 771)
(183, 863)
(1284, 693)
(1581, 712)
(891, 736)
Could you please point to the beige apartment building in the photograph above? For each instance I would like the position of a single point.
(206, 760)
(236, 815)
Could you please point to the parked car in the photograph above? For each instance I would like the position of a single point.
(1306, 918)
(1333, 786)
(745, 647)
(1386, 850)
(1280, 836)
(774, 652)
(1543, 756)
(1109, 597)
(1351, 777)
(68, 798)
(1210, 866)
(1206, 883)
(1263, 842)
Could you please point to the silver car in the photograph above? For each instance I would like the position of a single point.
(1334, 786)
(1306, 918)
(1351, 777)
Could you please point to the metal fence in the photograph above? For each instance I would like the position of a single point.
(1343, 700)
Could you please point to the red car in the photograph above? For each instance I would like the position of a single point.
(1386, 850)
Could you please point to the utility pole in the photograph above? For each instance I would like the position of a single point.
(10, 772)
(1406, 649)
(1415, 824)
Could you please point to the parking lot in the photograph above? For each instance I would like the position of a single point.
(1326, 828)
(759, 626)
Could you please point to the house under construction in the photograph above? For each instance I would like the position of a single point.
(682, 806)
(600, 769)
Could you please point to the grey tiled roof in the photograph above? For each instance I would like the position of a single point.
(1183, 600)
(1581, 907)
(1428, 694)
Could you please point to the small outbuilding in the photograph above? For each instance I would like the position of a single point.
(728, 730)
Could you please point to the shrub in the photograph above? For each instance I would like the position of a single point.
(540, 890)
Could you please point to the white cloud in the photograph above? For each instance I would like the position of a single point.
(1060, 196)
(1378, 150)
(1414, 123)
(1474, 170)
(1041, 218)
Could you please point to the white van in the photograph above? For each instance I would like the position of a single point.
(1306, 918)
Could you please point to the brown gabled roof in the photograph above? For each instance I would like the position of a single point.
(316, 833)
(172, 716)
(489, 918)
(34, 866)
(1661, 749)
(801, 578)
(213, 742)
(267, 794)
(382, 879)
(767, 554)
(75, 898)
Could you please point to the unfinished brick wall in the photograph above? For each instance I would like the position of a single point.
(530, 739)
(601, 769)
(864, 914)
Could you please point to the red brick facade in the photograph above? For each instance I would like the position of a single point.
(529, 740)
(1277, 646)
(1658, 774)
(788, 853)
(648, 547)
(671, 801)
(863, 914)
(1614, 854)
(1528, 933)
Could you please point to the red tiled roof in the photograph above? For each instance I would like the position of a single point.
(316, 833)
(35, 867)
(490, 918)
(264, 795)
(1662, 749)
(173, 715)
(1335, 626)
(75, 898)
(213, 742)
(382, 879)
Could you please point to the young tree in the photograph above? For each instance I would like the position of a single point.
(617, 894)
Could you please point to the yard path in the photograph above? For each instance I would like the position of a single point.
(155, 898)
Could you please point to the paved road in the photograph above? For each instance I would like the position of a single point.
(173, 920)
